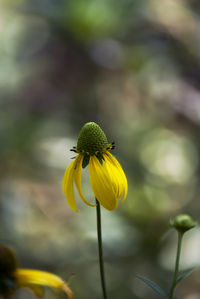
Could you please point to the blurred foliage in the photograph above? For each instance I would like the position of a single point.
(132, 67)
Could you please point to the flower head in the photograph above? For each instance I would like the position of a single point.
(12, 277)
(107, 177)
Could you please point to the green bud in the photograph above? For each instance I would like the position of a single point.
(91, 139)
(182, 223)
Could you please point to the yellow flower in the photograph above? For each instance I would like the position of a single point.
(107, 177)
(34, 278)
(12, 277)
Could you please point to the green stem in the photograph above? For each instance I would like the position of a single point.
(101, 266)
(174, 282)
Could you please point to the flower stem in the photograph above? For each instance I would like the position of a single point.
(101, 265)
(174, 282)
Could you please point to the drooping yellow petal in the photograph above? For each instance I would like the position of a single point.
(123, 180)
(102, 184)
(31, 278)
(117, 183)
(67, 185)
(78, 172)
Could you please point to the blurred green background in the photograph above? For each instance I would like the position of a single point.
(132, 66)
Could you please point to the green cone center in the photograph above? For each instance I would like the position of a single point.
(91, 139)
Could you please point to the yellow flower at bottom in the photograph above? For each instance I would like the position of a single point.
(107, 177)
(12, 277)
(35, 278)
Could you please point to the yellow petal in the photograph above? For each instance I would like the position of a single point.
(31, 278)
(78, 179)
(67, 185)
(116, 176)
(123, 180)
(102, 184)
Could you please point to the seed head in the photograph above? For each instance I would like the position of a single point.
(91, 139)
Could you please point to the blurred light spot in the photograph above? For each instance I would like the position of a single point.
(179, 20)
(10, 75)
(55, 152)
(107, 53)
(21, 37)
(24, 35)
(159, 200)
(169, 156)
(92, 19)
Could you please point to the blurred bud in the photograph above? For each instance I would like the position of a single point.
(182, 223)
(8, 266)
(12, 277)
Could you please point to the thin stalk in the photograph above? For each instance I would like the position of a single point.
(178, 253)
(99, 235)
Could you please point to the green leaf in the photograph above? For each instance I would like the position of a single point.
(184, 274)
(153, 285)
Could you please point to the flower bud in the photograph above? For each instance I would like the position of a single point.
(182, 223)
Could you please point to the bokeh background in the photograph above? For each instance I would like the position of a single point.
(132, 66)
